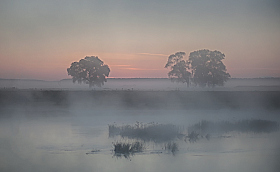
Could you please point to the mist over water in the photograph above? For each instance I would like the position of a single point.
(69, 130)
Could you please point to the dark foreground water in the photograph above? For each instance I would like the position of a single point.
(63, 138)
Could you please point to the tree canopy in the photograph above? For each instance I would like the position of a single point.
(90, 70)
(179, 68)
(203, 68)
(207, 68)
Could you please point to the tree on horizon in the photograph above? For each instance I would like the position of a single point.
(90, 70)
(179, 68)
(203, 68)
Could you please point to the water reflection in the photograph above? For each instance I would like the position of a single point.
(128, 149)
(243, 126)
(171, 147)
(80, 142)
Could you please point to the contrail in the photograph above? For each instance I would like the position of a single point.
(151, 54)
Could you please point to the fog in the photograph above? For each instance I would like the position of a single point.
(148, 84)
(74, 128)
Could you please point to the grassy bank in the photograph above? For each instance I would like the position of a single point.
(145, 99)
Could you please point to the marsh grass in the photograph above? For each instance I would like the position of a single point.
(244, 126)
(146, 132)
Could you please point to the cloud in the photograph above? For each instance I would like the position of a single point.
(270, 69)
(121, 65)
(151, 54)
(137, 69)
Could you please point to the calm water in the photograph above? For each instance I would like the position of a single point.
(52, 138)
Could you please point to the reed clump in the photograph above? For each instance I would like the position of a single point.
(146, 132)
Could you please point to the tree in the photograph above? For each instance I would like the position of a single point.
(90, 70)
(203, 68)
(207, 68)
(179, 68)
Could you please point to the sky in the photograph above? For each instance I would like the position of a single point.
(39, 39)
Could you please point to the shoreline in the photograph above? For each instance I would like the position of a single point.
(140, 99)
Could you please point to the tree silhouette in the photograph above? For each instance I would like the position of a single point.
(207, 68)
(203, 68)
(179, 68)
(90, 70)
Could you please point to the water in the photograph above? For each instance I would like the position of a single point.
(57, 138)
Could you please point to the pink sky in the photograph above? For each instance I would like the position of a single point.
(40, 40)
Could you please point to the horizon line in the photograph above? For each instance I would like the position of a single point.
(131, 78)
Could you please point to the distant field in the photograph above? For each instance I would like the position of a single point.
(146, 84)
(144, 99)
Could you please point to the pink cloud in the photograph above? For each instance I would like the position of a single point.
(151, 54)
(137, 69)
